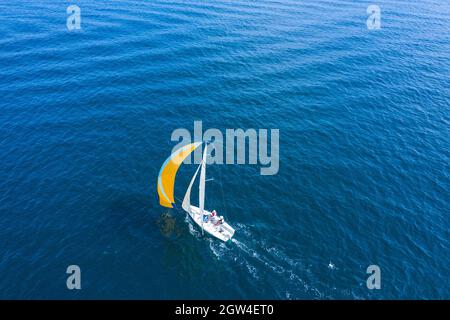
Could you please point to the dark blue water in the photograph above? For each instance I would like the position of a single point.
(85, 124)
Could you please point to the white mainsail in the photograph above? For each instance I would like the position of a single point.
(186, 205)
(187, 197)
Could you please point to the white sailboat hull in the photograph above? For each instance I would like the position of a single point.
(223, 231)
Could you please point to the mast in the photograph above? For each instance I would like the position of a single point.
(201, 192)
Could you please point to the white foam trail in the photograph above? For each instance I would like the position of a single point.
(246, 249)
(288, 295)
(252, 270)
(279, 255)
(214, 250)
(254, 254)
(242, 228)
(194, 232)
(218, 248)
(295, 277)
(276, 253)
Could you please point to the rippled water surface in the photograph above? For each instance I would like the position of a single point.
(86, 119)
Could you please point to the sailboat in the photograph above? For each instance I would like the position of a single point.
(212, 224)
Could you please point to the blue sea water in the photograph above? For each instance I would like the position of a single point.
(86, 118)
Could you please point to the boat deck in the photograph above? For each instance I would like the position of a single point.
(223, 231)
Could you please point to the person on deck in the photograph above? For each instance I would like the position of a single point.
(219, 222)
(211, 216)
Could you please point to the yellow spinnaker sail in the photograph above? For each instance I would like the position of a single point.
(166, 177)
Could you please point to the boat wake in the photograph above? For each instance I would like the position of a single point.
(192, 230)
(256, 257)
